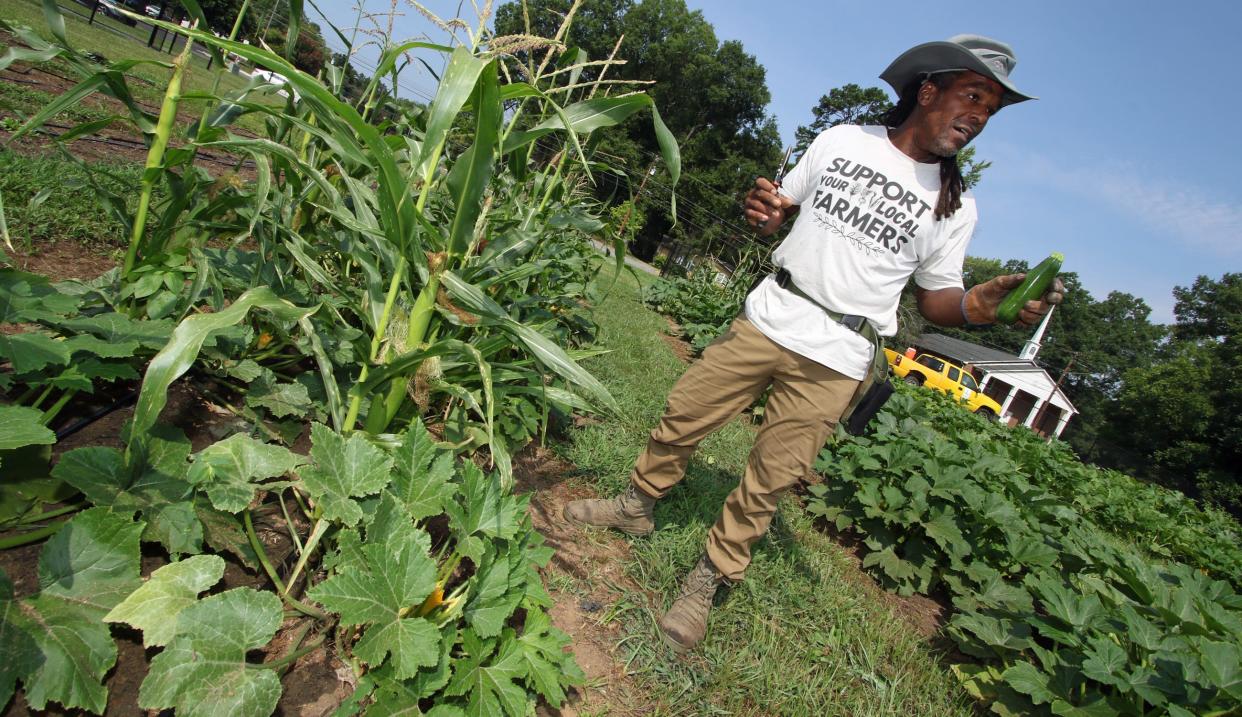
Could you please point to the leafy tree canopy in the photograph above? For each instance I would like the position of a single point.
(847, 104)
(712, 95)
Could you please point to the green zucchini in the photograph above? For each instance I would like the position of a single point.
(1033, 287)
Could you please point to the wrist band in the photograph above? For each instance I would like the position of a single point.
(965, 316)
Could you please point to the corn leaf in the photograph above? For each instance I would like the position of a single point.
(460, 78)
(472, 172)
(548, 353)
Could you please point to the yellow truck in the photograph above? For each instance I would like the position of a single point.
(933, 372)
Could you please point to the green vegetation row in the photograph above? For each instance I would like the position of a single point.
(1064, 616)
(375, 267)
(1040, 552)
(701, 305)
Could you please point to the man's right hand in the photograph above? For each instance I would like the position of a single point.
(766, 209)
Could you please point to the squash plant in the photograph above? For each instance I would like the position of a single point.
(1062, 617)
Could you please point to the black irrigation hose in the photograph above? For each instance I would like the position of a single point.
(81, 423)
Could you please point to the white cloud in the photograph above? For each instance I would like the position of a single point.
(1183, 212)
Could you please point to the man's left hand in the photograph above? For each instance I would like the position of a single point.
(980, 303)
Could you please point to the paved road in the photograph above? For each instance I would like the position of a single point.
(632, 261)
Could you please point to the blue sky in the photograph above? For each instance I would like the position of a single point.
(1124, 163)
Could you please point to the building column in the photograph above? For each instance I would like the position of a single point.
(1013, 391)
(1064, 419)
(1030, 417)
(983, 385)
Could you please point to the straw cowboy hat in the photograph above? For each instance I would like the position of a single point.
(988, 57)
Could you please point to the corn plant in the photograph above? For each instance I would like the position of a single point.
(382, 267)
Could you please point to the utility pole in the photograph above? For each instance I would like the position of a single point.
(270, 15)
(1039, 416)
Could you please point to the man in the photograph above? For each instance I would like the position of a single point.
(874, 206)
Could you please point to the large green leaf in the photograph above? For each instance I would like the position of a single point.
(1064, 604)
(496, 589)
(1027, 679)
(118, 328)
(547, 665)
(1222, 663)
(204, 672)
(488, 509)
(280, 399)
(154, 607)
(56, 642)
(182, 350)
(229, 471)
(342, 470)
(395, 575)
(94, 470)
(20, 426)
(422, 474)
(32, 351)
(1105, 662)
(160, 491)
(489, 680)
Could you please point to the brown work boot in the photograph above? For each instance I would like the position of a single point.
(631, 512)
(685, 623)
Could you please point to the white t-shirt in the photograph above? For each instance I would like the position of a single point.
(865, 225)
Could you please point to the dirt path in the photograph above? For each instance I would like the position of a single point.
(584, 579)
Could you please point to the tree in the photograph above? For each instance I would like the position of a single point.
(309, 54)
(847, 104)
(712, 95)
(1210, 309)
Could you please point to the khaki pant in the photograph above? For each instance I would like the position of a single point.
(807, 400)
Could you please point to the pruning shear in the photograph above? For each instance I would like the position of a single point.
(780, 174)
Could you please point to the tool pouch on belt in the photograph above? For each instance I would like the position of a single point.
(876, 388)
(872, 393)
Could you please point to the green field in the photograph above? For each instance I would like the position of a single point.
(112, 40)
(374, 328)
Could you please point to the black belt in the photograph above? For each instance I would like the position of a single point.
(853, 322)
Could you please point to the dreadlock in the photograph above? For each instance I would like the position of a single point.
(951, 182)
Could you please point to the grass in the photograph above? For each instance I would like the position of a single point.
(799, 636)
(20, 101)
(35, 218)
(115, 41)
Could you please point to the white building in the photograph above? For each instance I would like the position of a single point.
(1026, 393)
